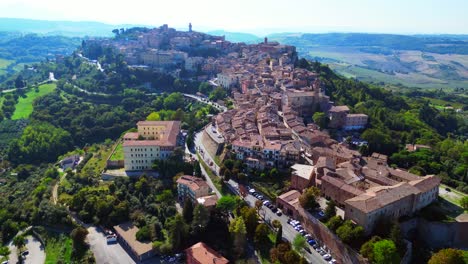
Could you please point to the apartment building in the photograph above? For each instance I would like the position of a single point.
(154, 140)
(192, 187)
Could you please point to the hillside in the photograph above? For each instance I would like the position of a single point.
(424, 61)
(63, 28)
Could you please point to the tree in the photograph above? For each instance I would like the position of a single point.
(78, 235)
(367, 249)
(299, 243)
(250, 219)
(464, 202)
(347, 232)
(396, 237)
(261, 234)
(258, 205)
(447, 256)
(321, 119)
(19, 242)
(178, 232)
(143, 234)
(187, 211)
(227, 203)
(238, 233)
(154, 116)
(308, 199)
(334, 222)
(4, 251)
(330, 210)
(276, 223)
(385, 252)
(201, 218)
(219, 93)
(174, 101)
(19, 82)
(279, 236)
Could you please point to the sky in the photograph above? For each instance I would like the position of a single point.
(258, 16)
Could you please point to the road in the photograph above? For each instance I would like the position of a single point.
(204, 153)
(289, 233)
(206, 101)
(104, 253)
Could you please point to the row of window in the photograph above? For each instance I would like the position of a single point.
(141, 155)
(141, 149)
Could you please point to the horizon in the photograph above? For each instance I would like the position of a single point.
(260, 17)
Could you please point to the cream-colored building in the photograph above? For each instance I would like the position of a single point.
(154, 140)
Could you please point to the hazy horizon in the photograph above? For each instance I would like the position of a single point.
(259, 17)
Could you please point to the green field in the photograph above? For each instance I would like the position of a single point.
(3, 65)
(118, 153)
(24, 107)
(58, 249)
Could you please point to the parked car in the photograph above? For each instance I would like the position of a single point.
(302, 232)
(308, 236)
(321, 252)
(279, 213)
(252, 190)
(5, 262)
(316, 246)
(321, 213)
(333, 261)
(111, 239)
(327, 257)
(274, 209)
(260, 197)
(266, 203)
(311, 242)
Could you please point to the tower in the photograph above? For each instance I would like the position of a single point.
(265, 41)
(190, 27)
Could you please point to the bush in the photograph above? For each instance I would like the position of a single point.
(143, 234)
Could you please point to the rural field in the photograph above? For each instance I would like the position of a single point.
(24, 107)
(405, 67)
(3, 65)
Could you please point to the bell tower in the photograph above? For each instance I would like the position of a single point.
(190, 27)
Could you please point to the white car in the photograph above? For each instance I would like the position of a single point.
(252, 190)
(332, 261)
(327, 257)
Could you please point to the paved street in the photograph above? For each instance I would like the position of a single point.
(288, 231)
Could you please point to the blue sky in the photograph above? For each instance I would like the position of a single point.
(259, 16)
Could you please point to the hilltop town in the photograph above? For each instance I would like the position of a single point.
(270, 124)
(184, 145)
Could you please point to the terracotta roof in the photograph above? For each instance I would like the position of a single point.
(378, 197)
(127, 231)
(426, 183)
(131, 135)
(341, 108)
(208, 201)
(192, 182)
(172, 130)
(203, 254)
(403, 175)
(289, 196)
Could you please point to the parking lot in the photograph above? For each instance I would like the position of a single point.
(316, 252)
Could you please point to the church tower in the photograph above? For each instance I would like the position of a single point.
(190, 27)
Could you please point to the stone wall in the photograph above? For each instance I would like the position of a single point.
(340, 251)
(438, 234)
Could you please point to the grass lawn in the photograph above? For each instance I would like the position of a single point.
(453, 196)
(24, 107)
(58, 249)
(99, 160)
(118, 153)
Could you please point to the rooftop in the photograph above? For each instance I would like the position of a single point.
(203, 254)
(303, 171)
(127, 231)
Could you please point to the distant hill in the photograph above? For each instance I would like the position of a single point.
(425, 61)
(236, 36)
(63, 28)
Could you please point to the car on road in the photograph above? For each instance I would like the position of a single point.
(321, 252)
(302, 232)
(298, 227)
(279, 213)
(25, 253)
(327, 257)
(311, 242)
(274, 209)
(111, 239)
(315, 246)
(260, 197)
(332, 261)
(266, 203)
(252, 191)
(308, 236)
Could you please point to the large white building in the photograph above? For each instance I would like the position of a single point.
(154, 140)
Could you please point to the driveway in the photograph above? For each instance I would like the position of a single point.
(104, 253)
(36, 251)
